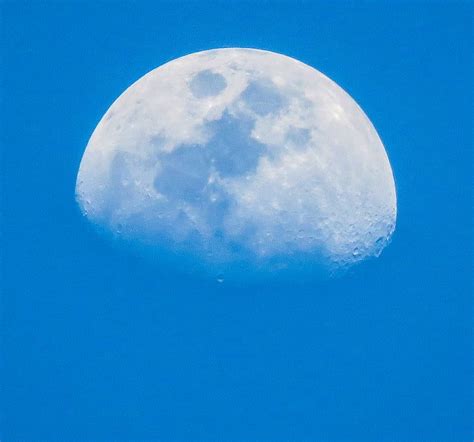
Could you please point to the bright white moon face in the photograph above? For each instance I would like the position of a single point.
(240, 156)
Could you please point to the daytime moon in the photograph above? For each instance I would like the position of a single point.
(240, 157)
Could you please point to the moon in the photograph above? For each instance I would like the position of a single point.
(240, 157)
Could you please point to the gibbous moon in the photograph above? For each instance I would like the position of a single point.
(240, 157)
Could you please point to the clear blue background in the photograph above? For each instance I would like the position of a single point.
(97, 344)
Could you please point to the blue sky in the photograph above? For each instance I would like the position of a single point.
(97, 344)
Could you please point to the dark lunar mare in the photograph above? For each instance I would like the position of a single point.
(231, 152)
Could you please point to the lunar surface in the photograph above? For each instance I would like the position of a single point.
(240, 157)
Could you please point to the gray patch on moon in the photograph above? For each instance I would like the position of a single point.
(298, 137)
(263, 97)
(207, 84)
(186, 174)
(231, 152)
